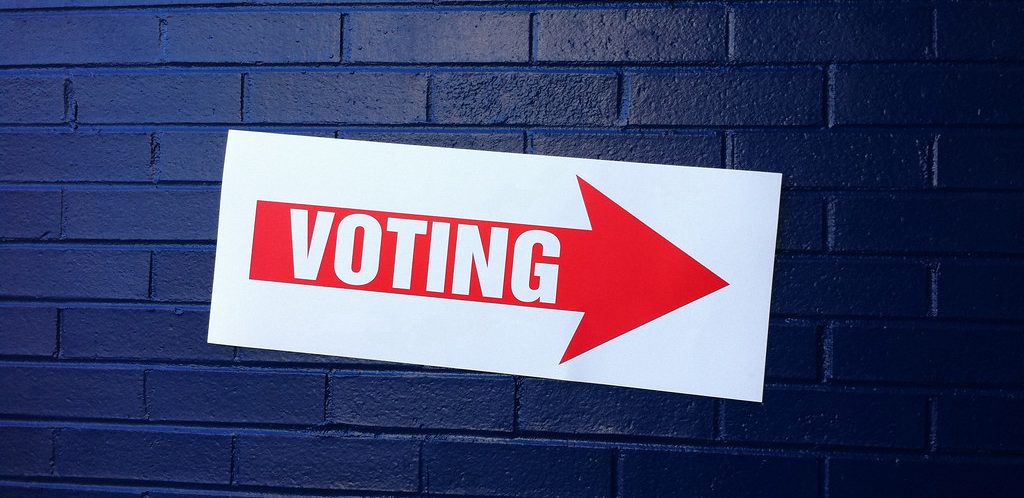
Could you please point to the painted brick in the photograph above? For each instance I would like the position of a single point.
(524, 98)
(30, 214)
(28, 331)
(835, 159)
(685, 150)
(928, 95)
(36, 490)
(634, 35)
(988, 161)
(252, 355)
(253, 37)
(497, 142)
(143, 455)
(418, 400)
(792, 351)
(353, 463)
(141, 214)
(158, 98)
(138, 335)
(26, 451)
(79, 39)
(386, 98)
(827, 32)
(71, 273)
(928, 354)
(981, 422)
(654, 473)
(68, 157)
(830, 418)
(236, 396)
(515, 470)
(62, 391)
(438, 37)
(933, 223)
(182, 275)
(32, 99)
(575, 408)
(850, 287)
(195, 156)
(729, 97)
(980, 31)
(801, 224)
(981, 290)
(8, 490)
(899, 478)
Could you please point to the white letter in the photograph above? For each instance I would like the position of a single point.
(490, 268)
(406, 230)
(370, 261)
(437, 268)
(522, 259)
(308, 254)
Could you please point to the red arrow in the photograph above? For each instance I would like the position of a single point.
(621, 273)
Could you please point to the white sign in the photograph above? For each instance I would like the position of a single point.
(637, 275)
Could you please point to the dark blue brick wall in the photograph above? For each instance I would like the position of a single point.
(895, 362)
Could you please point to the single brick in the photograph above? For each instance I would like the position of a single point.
(729, 97)
(835, 159)
(800, 222)
(831, 32)
(30, 214)
(947, 354)
(63, 391)
(515, 469)
(253, 37)
(236, 396)
(685, 150)
(32, 99)
(141, 214)
(980, 31)
(28, 331)
(988, 160)
(69, 157)
(903, 477)
(981, 290)
(792, 351)
(72, 273)
(524, 98)
(498, 142)
(930, 223)
(143, 455)
(385, 98)
(832, 418)
(196, 156)
(329, 462)
(158, 98)
(981, 422)
(252, 355)
(79, 39)
(928, 95)
(138, 335)
(669, 474)
(25, 451)
(633, 35)
(850, 287)
(437, 37)
(576, 408)
(444, 401)
(183, 275)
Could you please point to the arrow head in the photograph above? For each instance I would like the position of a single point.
(622, 274)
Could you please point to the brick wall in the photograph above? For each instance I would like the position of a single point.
(896, 352)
